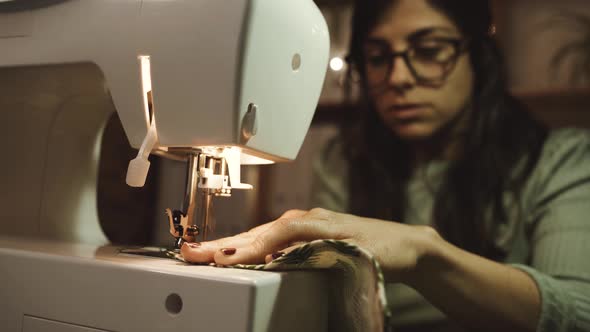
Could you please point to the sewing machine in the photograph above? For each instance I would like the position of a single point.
(218, 84)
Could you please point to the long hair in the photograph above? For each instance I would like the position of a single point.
(498, 153)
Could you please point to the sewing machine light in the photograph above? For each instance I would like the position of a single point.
(246, 159)
(139, 167)
(146, 82)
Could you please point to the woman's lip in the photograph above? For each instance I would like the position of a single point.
(406, 111)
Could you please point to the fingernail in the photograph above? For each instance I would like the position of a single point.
(194, 245)
(228, 251)
(277, 254)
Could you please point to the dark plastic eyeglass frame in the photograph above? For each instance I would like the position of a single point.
(460, 46)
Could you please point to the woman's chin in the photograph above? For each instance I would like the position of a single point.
(412, 132)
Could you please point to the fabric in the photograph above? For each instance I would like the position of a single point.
(357, 293)
(548, 238)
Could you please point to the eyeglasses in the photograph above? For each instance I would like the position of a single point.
(430, 60)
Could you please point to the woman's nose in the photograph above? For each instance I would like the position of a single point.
(401, 75)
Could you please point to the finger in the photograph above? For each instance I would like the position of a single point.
(281, 234)
(259, 229)
(278, 254)
(204, 252)
(293, 213)
(288, 214)
(194, 253)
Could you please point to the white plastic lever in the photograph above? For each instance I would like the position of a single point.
(140, 166)
(232, 157)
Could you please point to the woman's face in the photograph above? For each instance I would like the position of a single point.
(418, 95)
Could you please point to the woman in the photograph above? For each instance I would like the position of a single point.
(493, 207)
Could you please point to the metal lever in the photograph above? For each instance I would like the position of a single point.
(180, 229)
(207, 177)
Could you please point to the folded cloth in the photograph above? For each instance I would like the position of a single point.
(357, 292)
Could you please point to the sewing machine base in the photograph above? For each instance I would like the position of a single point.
(52, 286)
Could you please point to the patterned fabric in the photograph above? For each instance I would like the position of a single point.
(357, 286)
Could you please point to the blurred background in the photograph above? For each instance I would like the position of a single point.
(547, 49)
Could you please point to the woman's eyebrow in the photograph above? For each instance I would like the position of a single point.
(377, 41)
(428, 31)
(414, 36)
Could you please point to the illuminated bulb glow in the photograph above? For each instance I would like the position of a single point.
(146, 81)
(336, 64)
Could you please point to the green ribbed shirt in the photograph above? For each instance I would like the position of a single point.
(549, 240)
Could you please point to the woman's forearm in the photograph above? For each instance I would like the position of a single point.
(476, 291)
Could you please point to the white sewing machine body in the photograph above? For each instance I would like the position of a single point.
(58, 287)
(64, 68)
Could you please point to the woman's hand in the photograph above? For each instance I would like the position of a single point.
(397, 247)
(468, 288)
